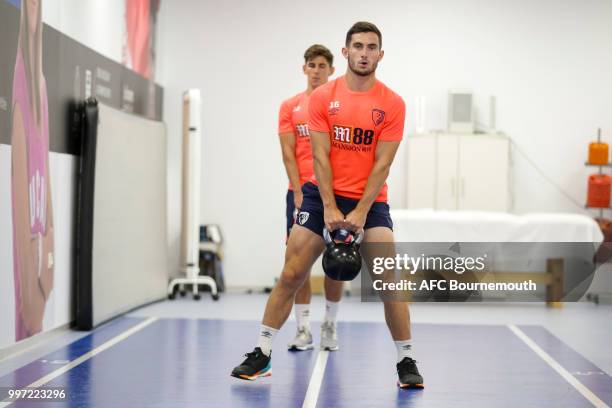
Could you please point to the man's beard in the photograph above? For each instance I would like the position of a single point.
(362, 73)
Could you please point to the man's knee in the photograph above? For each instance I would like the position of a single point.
(293, 274)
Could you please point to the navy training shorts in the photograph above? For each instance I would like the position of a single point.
(311, 213)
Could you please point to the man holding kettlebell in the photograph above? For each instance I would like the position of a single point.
(356, 124)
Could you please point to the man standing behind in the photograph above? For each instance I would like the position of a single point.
(297, 157)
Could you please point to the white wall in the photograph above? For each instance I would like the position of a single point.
(97, 24)
(547, 62)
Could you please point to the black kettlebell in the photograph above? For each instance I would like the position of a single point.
(342, 260)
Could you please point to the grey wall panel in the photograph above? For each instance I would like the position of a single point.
(129, 252)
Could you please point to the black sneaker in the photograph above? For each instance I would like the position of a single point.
(256, 365)
(408, 374)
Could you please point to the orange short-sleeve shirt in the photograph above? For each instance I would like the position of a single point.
(355, 122)
(293, 118)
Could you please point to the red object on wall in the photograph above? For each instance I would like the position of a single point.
(598, 153)
(138, 24)
(599, 191)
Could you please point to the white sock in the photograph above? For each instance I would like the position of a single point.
(302, 315)
(266, 336)
(404, 349)
(331, 310)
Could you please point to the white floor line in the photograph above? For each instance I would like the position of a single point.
(65, 368)
(567, 376)
(312, 394)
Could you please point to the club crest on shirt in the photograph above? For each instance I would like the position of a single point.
(378, 116)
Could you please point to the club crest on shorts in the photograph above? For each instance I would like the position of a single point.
(303, 217)
(378, 116)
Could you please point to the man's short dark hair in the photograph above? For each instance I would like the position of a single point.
(363, 27)
(319, 50)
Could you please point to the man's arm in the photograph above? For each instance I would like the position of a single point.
(334, 219)
(385, 153)
(287, 141)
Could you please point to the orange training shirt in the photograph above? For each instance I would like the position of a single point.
(355, 122)
(293, 118)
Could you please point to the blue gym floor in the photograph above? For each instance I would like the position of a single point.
(169, 362)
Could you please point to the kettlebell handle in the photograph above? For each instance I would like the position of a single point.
(357, 237)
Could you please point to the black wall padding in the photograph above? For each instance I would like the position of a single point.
(87, 115)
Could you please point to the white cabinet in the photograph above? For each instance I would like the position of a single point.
(458, 172)
(445, 178)
(421, 174)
